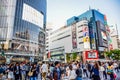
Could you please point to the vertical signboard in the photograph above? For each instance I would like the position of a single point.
(110, 46)
(86, 38)
(74, 39)
(92, 36)
(48, 55)
(102, 34)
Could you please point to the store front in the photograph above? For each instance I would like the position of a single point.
(20, 59)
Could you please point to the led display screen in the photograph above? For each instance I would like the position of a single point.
(104, 36)
(32, 15)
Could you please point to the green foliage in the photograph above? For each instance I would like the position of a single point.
(74, 56)
(114, 54)
(68, 57)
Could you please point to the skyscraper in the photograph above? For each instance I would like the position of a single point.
(98, 33)
(22, 25)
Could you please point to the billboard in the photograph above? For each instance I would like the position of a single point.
(101, 33)
(86, 38)
(104, 36)
(74, 38)
(93, 54)
(32, 15)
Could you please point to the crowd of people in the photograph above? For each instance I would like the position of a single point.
(60, 71)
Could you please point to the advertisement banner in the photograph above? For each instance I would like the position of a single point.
(86, 38)
(93, 54)
(74, 38)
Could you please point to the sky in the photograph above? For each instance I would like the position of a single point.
(58, 11)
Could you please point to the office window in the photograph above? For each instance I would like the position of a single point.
(80, 42)
(80, 31)
(80, 36)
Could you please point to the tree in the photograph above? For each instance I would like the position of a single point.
(114, 54)
(74, 56)
(67, 57)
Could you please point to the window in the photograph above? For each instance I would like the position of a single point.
(80, 31)
(80, 36)
(63, 37)
(85, 24)
(80, 42)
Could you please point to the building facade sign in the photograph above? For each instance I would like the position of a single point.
(86, 38)
(74, 38)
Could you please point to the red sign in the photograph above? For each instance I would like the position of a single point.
(91, 54)
(48, 54)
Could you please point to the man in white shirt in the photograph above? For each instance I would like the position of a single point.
(44, 70)
(74, 65)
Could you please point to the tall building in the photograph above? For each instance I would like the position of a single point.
(87, 32)
(22, 24)
(115, 42)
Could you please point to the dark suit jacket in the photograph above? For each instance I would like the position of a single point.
(16, 71)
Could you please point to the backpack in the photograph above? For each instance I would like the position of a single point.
(50, 76)
(109, 70)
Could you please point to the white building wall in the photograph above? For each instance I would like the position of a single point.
(47, 39)
(61, 38)
(115, 42)
(58, 38)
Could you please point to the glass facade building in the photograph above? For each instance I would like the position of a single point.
(97, 25)
(22, 25)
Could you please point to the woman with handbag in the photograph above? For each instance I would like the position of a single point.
(33, 73)
(10, 71)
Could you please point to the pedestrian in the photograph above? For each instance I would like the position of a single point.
(110, 71)
(101, 70)
(27, 70)
(10, 71)
(79, 72)
(44, 70)
(23, 71)
(104, 71)
(17, 71)
(89, 66)
(84, 66)
(1, 69)
(34, 72)
(95, 72)
(71, 73)
(57, 71)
